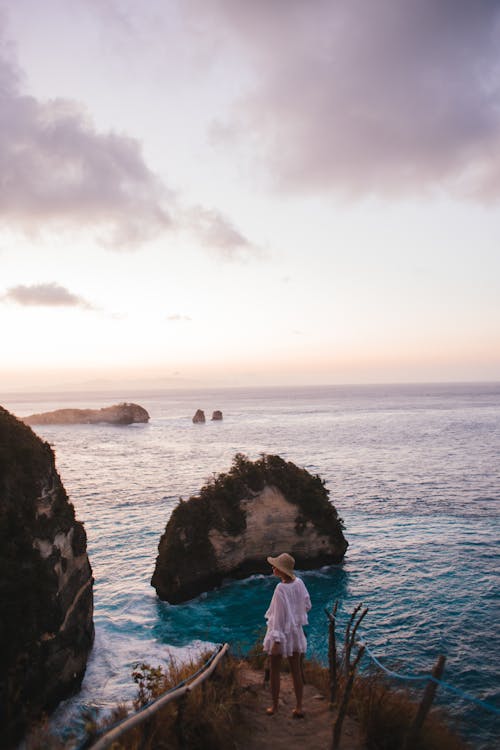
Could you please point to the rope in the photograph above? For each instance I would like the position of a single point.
(466, 696)
(429, 677)
(406, 677)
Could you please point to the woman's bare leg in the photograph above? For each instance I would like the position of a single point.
(275, 667)
(298, 685)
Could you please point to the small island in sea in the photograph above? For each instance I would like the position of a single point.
(256, 509)
(116, 414)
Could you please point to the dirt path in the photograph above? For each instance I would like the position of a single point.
(281, 731)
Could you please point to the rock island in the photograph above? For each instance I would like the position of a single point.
(117, 414)
(256, 509)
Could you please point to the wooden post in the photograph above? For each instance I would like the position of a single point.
(353, 634)
(337, 727)
(332, 653)
(347, 642)
(425, 704)
(146, 735)
(179, 720)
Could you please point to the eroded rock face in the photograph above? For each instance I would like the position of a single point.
(46, 602)
(257, 509)
(199, 417)
(117, 414)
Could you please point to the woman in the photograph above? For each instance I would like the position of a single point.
(285, 617)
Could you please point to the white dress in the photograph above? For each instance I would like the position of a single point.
(285, 617)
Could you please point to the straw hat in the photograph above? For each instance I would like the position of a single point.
(284, 563)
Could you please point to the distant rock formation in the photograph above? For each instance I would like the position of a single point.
(216, 416)
(257, 509)
(117, 414)
(46, 601)
(199, 417)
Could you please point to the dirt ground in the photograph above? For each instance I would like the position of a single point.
(281, 731)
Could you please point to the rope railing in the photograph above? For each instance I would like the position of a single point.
(458, 691)
(110, 734)
(420, 678)
(431, 680)
(390, 672)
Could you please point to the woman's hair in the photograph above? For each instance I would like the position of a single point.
(284, 575)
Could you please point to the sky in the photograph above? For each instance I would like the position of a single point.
(224, 192)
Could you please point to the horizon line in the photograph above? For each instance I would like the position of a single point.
(51, 391)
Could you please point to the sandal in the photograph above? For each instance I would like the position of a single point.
(296, 714)
(271, 711)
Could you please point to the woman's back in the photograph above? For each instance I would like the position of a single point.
(297, 600)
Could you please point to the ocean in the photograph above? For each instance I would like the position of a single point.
(413, 470)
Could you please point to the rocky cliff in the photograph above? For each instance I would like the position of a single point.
(117, 414)
(257, 509)
(46, 604)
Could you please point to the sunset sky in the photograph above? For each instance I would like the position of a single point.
(249, 192)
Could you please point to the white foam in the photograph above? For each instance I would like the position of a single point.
(108, 680)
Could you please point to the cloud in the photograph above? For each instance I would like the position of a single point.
(56, 168)
(176, 317)
(45, 295)
(386, 97)
(217, 233)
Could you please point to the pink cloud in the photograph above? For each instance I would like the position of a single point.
(218, 234)
(57, 169)
(385, 97)
(45, 295)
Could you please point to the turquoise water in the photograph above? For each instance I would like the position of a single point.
(413, 470)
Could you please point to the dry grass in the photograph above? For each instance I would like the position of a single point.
(316, 674)
(386, 714)
(205, 719)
